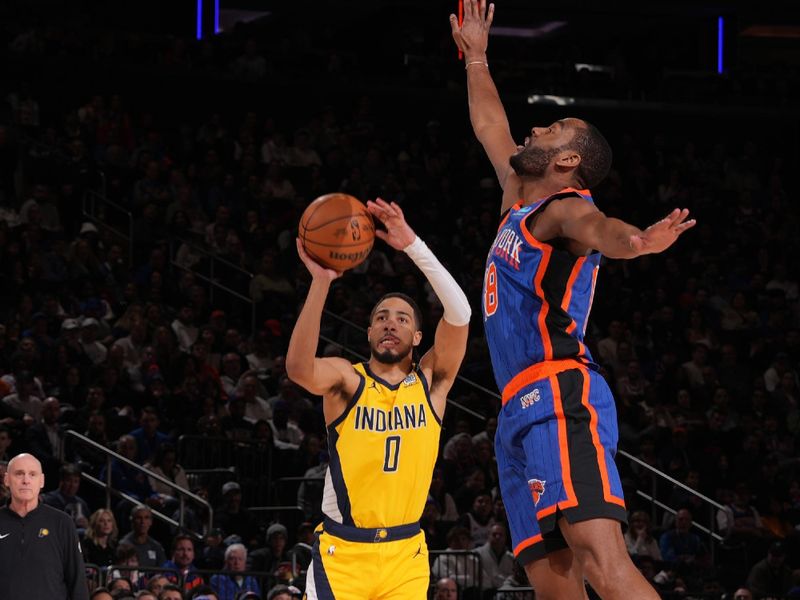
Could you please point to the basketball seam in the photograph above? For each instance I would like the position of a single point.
(343, 217)
(340, 245)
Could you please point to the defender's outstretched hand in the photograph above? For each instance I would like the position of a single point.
(398, 234)
(316, 269)
(472, 36)
(660, 236)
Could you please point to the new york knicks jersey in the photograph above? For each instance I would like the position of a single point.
(536, 296)
(382, 452)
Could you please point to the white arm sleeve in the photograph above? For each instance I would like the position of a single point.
(456, 307)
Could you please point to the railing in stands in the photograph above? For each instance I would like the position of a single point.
(108, 214)
(182, 493)
(462, 566)
(713, 506)
(213, 457)
(214, 262)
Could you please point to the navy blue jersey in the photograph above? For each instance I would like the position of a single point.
(536, 296)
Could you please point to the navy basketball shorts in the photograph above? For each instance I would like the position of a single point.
(555, 445)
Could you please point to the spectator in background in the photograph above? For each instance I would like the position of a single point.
(100, 541)
(126, 557)
(93, 349)
(128, 479)
(639, 539)
(680, 545)
(771, 577)
(479, 519)
(171, 592)
(229, 585)
(65, 497)
(5, 442)
(462, 567)
(232, 517)
(165, 464)
(496, 561)
(739, 520)
(45, 438)
(148, 438)
(182, 561)
(446, 589)
(274, 558)
(438, 491)
(256, 407)
(149, 550)
(184, 328)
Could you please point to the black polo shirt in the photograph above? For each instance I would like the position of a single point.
(40, 556)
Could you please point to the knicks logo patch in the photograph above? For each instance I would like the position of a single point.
(530, 398)
(536, 486)
(44, 532)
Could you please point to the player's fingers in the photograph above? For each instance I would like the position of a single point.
(686, 225)
(300, 251)
(470, 8)
(381, 234)
(454, 24)
(490, 15)
(482, 9)
(398, 210)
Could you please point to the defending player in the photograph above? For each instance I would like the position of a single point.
(383, 419)
(557, 431)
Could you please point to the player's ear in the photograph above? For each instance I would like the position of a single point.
(41, 487)
(569, 159)
(417, 338)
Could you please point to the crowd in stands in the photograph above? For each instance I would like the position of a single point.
(125, 342)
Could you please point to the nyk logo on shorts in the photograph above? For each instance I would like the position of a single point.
(530, 398)
(536, 487)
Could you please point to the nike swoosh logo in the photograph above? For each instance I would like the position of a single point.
(4, 536)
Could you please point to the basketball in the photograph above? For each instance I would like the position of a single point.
(337, 231)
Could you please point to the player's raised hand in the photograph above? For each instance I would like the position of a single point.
(398, 233)
(316, 269)
(472, 36)
(660, 236)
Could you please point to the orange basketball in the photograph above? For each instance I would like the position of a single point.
(337, 231)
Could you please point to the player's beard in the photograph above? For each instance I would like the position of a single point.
(390, 357)
(532, 161)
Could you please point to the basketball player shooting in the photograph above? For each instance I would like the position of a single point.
(557, 429)
(383, 419)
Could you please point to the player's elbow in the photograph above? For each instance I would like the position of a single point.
(298, 370)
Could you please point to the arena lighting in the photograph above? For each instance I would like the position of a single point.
(720, 44)
(550, 99)
(199, 27)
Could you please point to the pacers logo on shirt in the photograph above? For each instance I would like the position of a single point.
(44, 532)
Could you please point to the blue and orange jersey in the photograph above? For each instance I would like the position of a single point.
(382, 452)
(536, 295)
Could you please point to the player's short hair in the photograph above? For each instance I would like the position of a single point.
(595, 153)
(405, 298)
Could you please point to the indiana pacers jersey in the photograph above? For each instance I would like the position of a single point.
(536, 296)
(382, 452)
